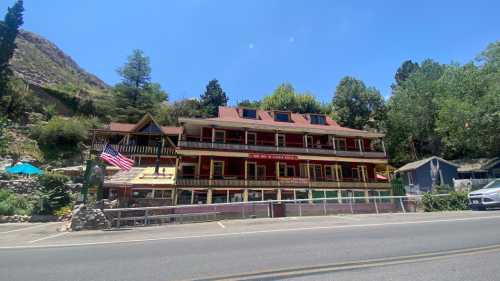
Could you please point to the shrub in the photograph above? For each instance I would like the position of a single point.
(65, 134)
(454, 201)
(61, 212)
(13, 204)
(53, 195)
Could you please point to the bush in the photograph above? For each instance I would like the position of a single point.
(64, 211)
(65, 134)
(53, 195)
(13, 204)
(453, 202)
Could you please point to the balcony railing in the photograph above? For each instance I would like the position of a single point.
(283, 182)
(136, 149)
(282, 149)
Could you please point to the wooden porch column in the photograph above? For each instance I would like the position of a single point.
(278, 194)
(245, 192)
(245, 195)
(180, 135)
(276, 140)
(278, 170)
(213, 136)
(211, 176)
(198, 168)
(333, 144)
(383, 148)
(360, 146)
(209, 196)
(308, 173)
(305, 140)
(246, 171)
(201, 134)
(246, 136)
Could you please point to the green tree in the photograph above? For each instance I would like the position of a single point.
(405, 70)
(136, 95)
(188, 108)
(357, 105)
(249, 103)
(411, 115)
(213, 97)
(9, 29)
(286, 98)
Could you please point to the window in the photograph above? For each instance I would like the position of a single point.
(281, 140)
(357, 142)
(249, 113)
(252, 138)
(303, 170)
(282, 117)
(188, 170)
(340, 144)
(251, 170)
(346, 171)
(355, 173)
(315, 171)
(309, 141)
(220, 136)
(162, 194)
(290, 171)
(261, 172)
(142, 194)
(318, 119)
(282, 169)
(255, 195)
(218, 171)
(330, 172)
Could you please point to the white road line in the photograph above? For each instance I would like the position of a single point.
(221, 224)
(29, 227)
(250, 232)
(349, 218)
(48, 237)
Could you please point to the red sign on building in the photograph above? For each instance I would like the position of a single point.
(272, 156)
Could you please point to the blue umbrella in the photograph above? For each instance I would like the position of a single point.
(24, 168)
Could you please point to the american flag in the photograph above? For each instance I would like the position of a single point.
(114, 158)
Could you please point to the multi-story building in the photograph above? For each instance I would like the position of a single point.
(252, 155)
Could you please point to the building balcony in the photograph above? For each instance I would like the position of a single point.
(282, 182)
(136, 149)
(281, 149)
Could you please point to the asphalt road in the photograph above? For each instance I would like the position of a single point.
(442, 246)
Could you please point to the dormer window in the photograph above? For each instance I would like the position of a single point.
(249, 113)
(282, 116)
(318, 119)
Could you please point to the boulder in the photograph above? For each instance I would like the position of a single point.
(85, 218)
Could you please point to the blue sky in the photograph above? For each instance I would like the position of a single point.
(253, 46)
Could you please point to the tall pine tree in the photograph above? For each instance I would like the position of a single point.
(9, 29)
(213, 97)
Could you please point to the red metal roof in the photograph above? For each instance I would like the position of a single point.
(264, 117)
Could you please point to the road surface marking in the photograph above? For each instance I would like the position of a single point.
(251, 232)
(283, 273)
(347, 218)
(29, 227)
(221, 225)
(48, 237)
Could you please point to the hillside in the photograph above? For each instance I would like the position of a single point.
(40, 62)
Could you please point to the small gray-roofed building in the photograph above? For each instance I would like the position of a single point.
(423, 175)
(475, 173)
